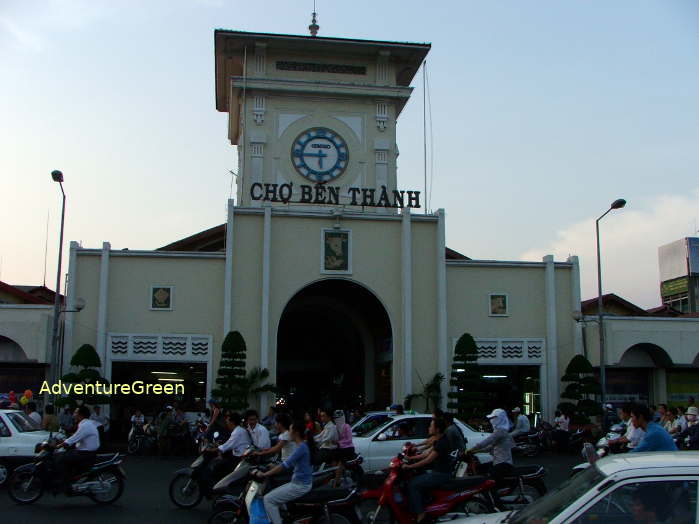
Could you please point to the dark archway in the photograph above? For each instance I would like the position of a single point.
(645, 355)
(334, 347)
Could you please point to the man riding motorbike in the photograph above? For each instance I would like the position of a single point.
(633, 434)
(522, 424)
(655, 437)
(230, 451)
(442, 464)
(692, 430)
(86, 440)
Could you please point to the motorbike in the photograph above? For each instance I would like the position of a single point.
(456, 498)
(189, 485)
(592, 453)
(321, 505)
(528, 444)
(142, 438)
(103, 481)
(523, 486)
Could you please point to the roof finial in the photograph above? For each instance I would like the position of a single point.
(313, 28)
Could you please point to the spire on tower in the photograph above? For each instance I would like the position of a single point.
(313, 28)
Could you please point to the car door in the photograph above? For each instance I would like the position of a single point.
(389, 441)
(653, 499)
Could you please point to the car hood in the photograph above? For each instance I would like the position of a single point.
(491, 518)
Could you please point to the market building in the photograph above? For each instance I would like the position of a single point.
(338, 281)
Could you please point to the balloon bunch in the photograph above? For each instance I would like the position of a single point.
(24, 399)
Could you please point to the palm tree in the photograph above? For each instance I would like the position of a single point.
(432, 391)
(254, 383)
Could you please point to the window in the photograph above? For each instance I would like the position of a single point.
(498, 305)
(23, 423)
(336, 251)
(4, 430)
(654, 501)
(680, 302)
(161, 298)
(409, 429)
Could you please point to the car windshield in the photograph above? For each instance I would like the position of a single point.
(369, 425)
(23, 423)
(470, 428)
(548, 507)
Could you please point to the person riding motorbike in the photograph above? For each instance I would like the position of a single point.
(285, 443)
(692, 430)
(453, 434)
(86, 440)
(500, 443)
(439, 457)
(258, 433)
(633, 434)
(522, 424)
(301, 479)
(655, 438)
(229, 452)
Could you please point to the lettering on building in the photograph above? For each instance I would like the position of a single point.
(321, 68)
(330, 195)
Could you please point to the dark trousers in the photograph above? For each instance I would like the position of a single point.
(498, 472)
(71, 461)
(420, 485)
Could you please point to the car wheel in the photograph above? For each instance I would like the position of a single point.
(4, 472)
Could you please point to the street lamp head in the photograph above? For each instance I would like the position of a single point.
(618, 203)
(79, 303)
(57, 176)
(577, 315)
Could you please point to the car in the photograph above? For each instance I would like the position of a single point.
(374, 419)
(632, 487)
(19, 435)
(378, 444)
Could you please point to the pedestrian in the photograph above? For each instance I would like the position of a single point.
(50, 420)
(65, 420)
(32, 414)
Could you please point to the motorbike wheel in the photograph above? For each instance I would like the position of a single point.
(184, 492)
(116, 488)
(24, 487)
(227, 516)
(372, 513)
(333, 518)
(476, 506)
(4, 473)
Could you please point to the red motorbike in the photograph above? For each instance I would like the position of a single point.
(387, 504)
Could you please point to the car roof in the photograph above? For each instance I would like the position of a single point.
(658, 459)
(11, 411)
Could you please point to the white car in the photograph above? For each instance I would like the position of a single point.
(19, 435)
(627, 488)
(379, 444)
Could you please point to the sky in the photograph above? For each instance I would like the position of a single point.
(542, 112)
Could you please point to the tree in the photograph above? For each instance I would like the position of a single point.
(255, 383)
(582, 384)
(87, 359)
(432, 391)
(465, 378)
(231, 379)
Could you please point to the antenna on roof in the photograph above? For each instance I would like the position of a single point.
(313, 28)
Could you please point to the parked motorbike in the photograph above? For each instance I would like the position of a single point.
(523, 486)
(322, 505)
(189, 485)
(528, 444)
(103, 482)
(454, 499)
(142, 438)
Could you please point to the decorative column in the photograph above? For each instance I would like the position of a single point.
(69, 319)
(442, 348)
(575, 305)
(264, 310)
(551, 336)
(257, 153)
(407, 288)
(228, 274)
(102, 309)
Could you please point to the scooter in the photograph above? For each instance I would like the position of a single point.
(322, 505)
(527, 444)
(189, 486)
(456, 498)
(103, 481)
(523, 486)
(142, 438)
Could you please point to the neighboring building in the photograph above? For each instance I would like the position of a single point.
(651, 355)
(26, 317)
(679, 274)
(342, 291)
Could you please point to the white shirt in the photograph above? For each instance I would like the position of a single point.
(100, 420)
(35, 417)
(327, 439)
(289, 445)
(86, 438)
(260, 437)
(633, 435)
(522, 426)
(140, 419)
(563, 422)
(238, 442)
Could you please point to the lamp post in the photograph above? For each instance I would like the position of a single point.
(57, 176)
(617, 204)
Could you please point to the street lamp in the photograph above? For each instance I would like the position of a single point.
(617, 204)
(57, 176)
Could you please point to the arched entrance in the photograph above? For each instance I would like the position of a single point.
(334, 348)
(17, 372)
(635, 378)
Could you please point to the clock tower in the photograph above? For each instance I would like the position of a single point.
(314, 116)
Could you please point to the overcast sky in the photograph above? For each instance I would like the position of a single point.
(543, 113)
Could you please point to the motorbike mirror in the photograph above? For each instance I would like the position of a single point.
(216, 434)
(382, 437)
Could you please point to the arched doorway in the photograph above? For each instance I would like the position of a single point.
(334, 348)
(17, 372)
(635, 378)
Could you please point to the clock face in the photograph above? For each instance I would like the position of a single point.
(319, 154)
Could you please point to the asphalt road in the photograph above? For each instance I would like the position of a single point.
(145, 499)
